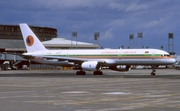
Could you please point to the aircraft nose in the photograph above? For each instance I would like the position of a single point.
(173, 60)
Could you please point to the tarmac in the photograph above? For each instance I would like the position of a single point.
(59, 90)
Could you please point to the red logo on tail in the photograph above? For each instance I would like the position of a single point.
(29, 40)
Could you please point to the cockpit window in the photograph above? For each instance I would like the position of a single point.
(166, 55)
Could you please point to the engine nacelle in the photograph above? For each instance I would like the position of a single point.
(90, 65)
(120, 68)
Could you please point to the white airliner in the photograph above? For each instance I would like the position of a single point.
(92, 59)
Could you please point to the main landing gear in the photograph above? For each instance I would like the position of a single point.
(98, 72)
(153, 73)
(81, 72)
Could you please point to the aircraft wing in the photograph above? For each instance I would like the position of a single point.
(73, 59)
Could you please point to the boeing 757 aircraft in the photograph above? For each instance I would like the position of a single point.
(92, 59)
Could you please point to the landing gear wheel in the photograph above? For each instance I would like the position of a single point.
(80, 73)
(98, 73)
(153, 73)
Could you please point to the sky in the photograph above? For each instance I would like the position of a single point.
(115, 20)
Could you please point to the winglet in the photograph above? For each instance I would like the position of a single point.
(31, 41)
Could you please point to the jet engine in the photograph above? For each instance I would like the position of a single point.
(120, 68)
(90, 65)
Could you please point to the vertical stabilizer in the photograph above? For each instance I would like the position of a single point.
(31, 41)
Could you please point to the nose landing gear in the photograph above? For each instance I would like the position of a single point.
(153, 73)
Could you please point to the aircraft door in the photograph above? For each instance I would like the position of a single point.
(153, 55)
(119, 55)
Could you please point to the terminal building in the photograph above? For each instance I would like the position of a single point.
(11, 37)
(11, 41)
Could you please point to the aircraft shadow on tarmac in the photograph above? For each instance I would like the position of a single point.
(90, 75)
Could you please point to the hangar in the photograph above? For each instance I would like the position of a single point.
(11, 41)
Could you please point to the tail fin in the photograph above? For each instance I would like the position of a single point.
(31, 41)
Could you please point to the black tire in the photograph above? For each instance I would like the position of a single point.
(97, 73)
(153, 73)
(80, 73)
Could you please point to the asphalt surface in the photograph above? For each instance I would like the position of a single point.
(57, 90)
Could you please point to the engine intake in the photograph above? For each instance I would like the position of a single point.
(90, 65)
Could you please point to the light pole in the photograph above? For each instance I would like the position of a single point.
(96, 36)
(140, 35)
(74, 34)
(131, 37)
(171, 43)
